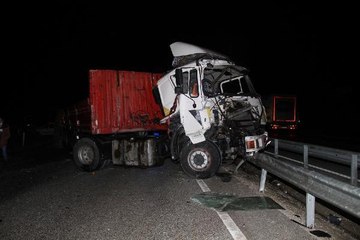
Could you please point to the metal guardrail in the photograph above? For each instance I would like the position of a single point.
(349, 158)
(331, 154)
(345, 196)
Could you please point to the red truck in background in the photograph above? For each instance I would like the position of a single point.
(119, 121)
(281, 112)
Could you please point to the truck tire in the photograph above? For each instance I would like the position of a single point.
(87, 155)
(200, 160)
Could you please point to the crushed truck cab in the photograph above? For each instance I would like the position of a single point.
(213, 112)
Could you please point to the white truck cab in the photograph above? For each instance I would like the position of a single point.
(213, 111)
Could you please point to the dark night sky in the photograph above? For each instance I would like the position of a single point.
(289, 49)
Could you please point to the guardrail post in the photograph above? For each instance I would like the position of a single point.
(306, 156)
(310, 210)
(276, 147)
(262, 180)
(354, 171)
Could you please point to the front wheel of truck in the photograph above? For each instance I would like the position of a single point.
(86, 155)
(200, 160)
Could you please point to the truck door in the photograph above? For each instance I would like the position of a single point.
(194, 117)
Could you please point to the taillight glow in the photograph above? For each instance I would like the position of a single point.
(250, 144)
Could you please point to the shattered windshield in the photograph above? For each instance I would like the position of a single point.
(234, 86)
(227, 80)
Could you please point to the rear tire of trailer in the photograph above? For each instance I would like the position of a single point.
(200, 160)
(87, 155)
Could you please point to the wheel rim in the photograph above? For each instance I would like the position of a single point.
(86, 155)
(199, 160)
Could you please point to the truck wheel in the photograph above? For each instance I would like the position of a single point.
(86, 155)
(200, 160)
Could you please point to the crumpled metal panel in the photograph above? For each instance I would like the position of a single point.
(122, 101)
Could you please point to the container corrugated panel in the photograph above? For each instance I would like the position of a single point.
(122, 101)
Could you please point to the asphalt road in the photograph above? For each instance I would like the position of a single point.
(43, 196)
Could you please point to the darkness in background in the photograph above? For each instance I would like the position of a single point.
(291, 49)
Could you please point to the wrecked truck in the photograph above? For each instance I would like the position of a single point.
(212, 110)
(202, 113)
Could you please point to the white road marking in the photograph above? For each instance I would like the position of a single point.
(229, 223)
(203, 185)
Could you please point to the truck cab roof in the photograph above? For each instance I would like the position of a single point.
(185, 53)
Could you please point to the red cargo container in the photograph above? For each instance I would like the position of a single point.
(122, 101)
(119, 101)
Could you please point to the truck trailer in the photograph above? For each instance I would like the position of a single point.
(118, 122)
(202, 113)
(282, 112)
